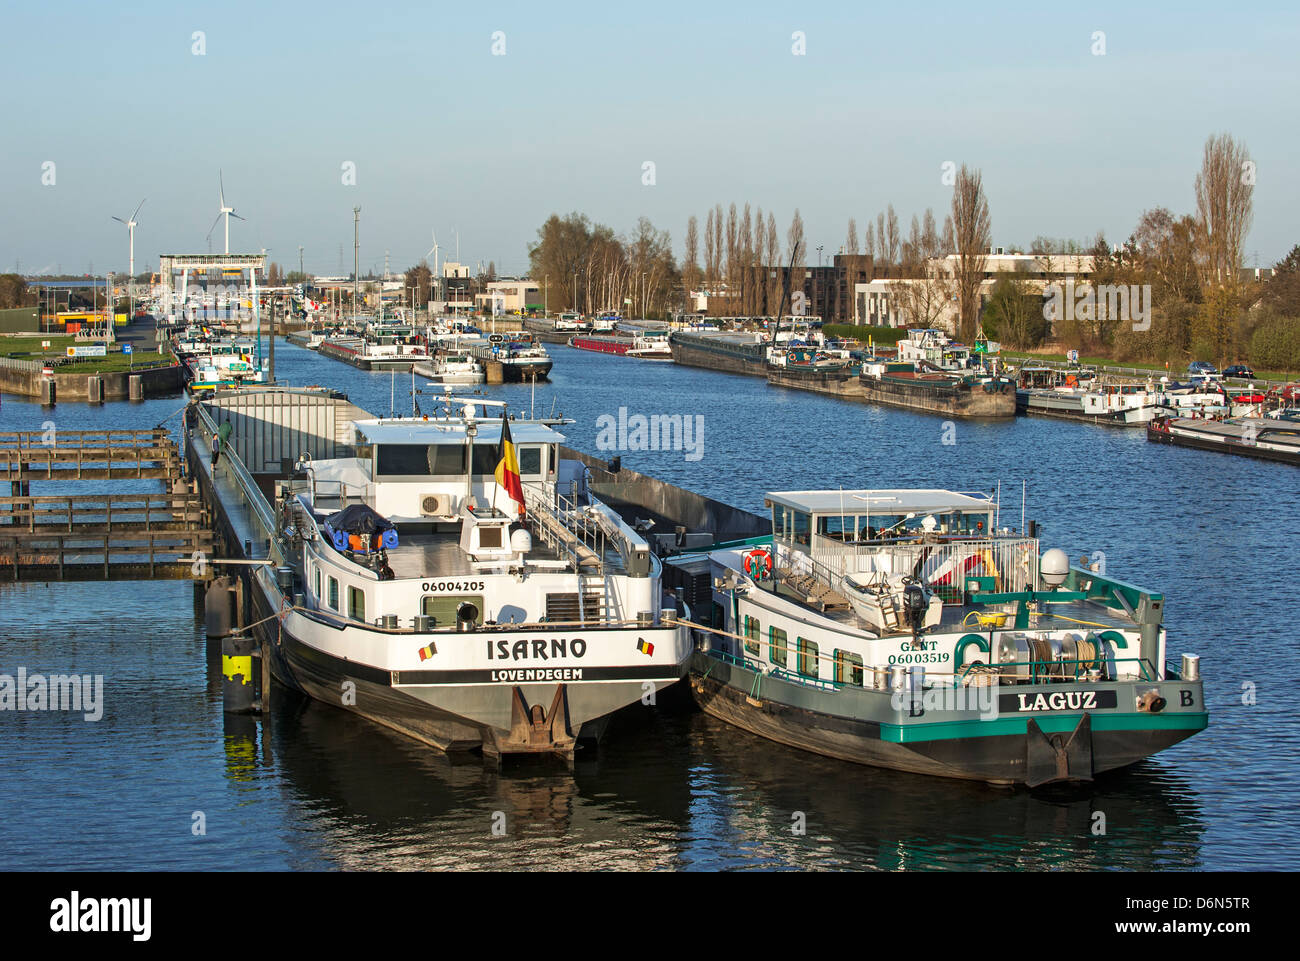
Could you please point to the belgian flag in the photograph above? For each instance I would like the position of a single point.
(428, 652)
(508, 466)
(645, 647)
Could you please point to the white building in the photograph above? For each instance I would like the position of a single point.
(509, 297)
(878, 303)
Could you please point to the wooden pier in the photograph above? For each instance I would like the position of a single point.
(100, 536)
(60, 455)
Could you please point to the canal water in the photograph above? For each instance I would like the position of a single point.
(164, 781)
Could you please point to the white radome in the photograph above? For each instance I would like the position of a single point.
(1054, 566)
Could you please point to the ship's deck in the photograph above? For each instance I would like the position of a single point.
(439, 555)
(1062, 616)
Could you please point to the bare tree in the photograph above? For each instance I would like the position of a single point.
(690, 260)
(973, 232)
(922, 298)
(929, 236)
(733, 259)
(773, 258)
(1223, 208)
(912, 249)
(746, 244)
(947, 240)
(893, 237)
(922, 290)
(794, 241)
(851, 245)
(710, 254)
(871, 239)
(717, 244)
(880, 237)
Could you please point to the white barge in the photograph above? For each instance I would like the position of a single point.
(402, 580)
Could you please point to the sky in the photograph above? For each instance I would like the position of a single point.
(478, 121)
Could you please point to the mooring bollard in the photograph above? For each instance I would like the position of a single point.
(218, 608)
(47, 392)
(135, 387)
(95, 389)
(238, 693)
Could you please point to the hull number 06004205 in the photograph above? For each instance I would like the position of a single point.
(434, 587)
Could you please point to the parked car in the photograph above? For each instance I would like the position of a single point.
(1201, 367)
(1239, 370)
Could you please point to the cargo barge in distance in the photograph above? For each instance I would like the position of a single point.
(1264, 438)
(732, 352)
(641, 344)
(968, 396)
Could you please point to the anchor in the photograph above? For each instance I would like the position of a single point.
(1056, 757)
(536, 730)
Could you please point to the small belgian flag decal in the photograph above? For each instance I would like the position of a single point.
(428, 652)
(645, 647)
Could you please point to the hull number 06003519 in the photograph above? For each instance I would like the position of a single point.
(433, 587)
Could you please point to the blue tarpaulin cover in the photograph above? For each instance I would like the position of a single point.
(363, 521)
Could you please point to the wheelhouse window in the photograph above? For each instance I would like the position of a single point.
(439, 460)
(777, 647)
(404, 459)
(317, 585)
(848, 668)
(792, 526)
(334, 594)
(752, 631)
(807, 661)
(530, 462)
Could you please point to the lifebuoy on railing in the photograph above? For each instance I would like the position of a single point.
(758, 564)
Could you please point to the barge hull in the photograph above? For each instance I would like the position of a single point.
(839, 383)
(720, 690)
(955, 401)
(728, 358)
(1256, 451)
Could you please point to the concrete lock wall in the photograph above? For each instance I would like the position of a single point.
(24, 377)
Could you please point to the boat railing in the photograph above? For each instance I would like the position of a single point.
(337, 490)
(230, 463)
(1039, 672)
(564, 526)
(1012, 562)
(1064, 669)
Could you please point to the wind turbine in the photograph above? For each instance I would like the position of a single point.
(434, 250)
(130, 232)
(226, 212)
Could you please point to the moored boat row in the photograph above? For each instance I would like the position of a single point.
(464, 576)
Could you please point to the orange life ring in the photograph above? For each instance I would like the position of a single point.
(758, 564)
(1071, 381)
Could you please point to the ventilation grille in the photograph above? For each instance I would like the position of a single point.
(435, 505)
(564, 607)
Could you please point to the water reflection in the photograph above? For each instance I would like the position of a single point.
(862, 817)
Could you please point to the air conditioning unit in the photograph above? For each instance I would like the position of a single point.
(435, 505)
